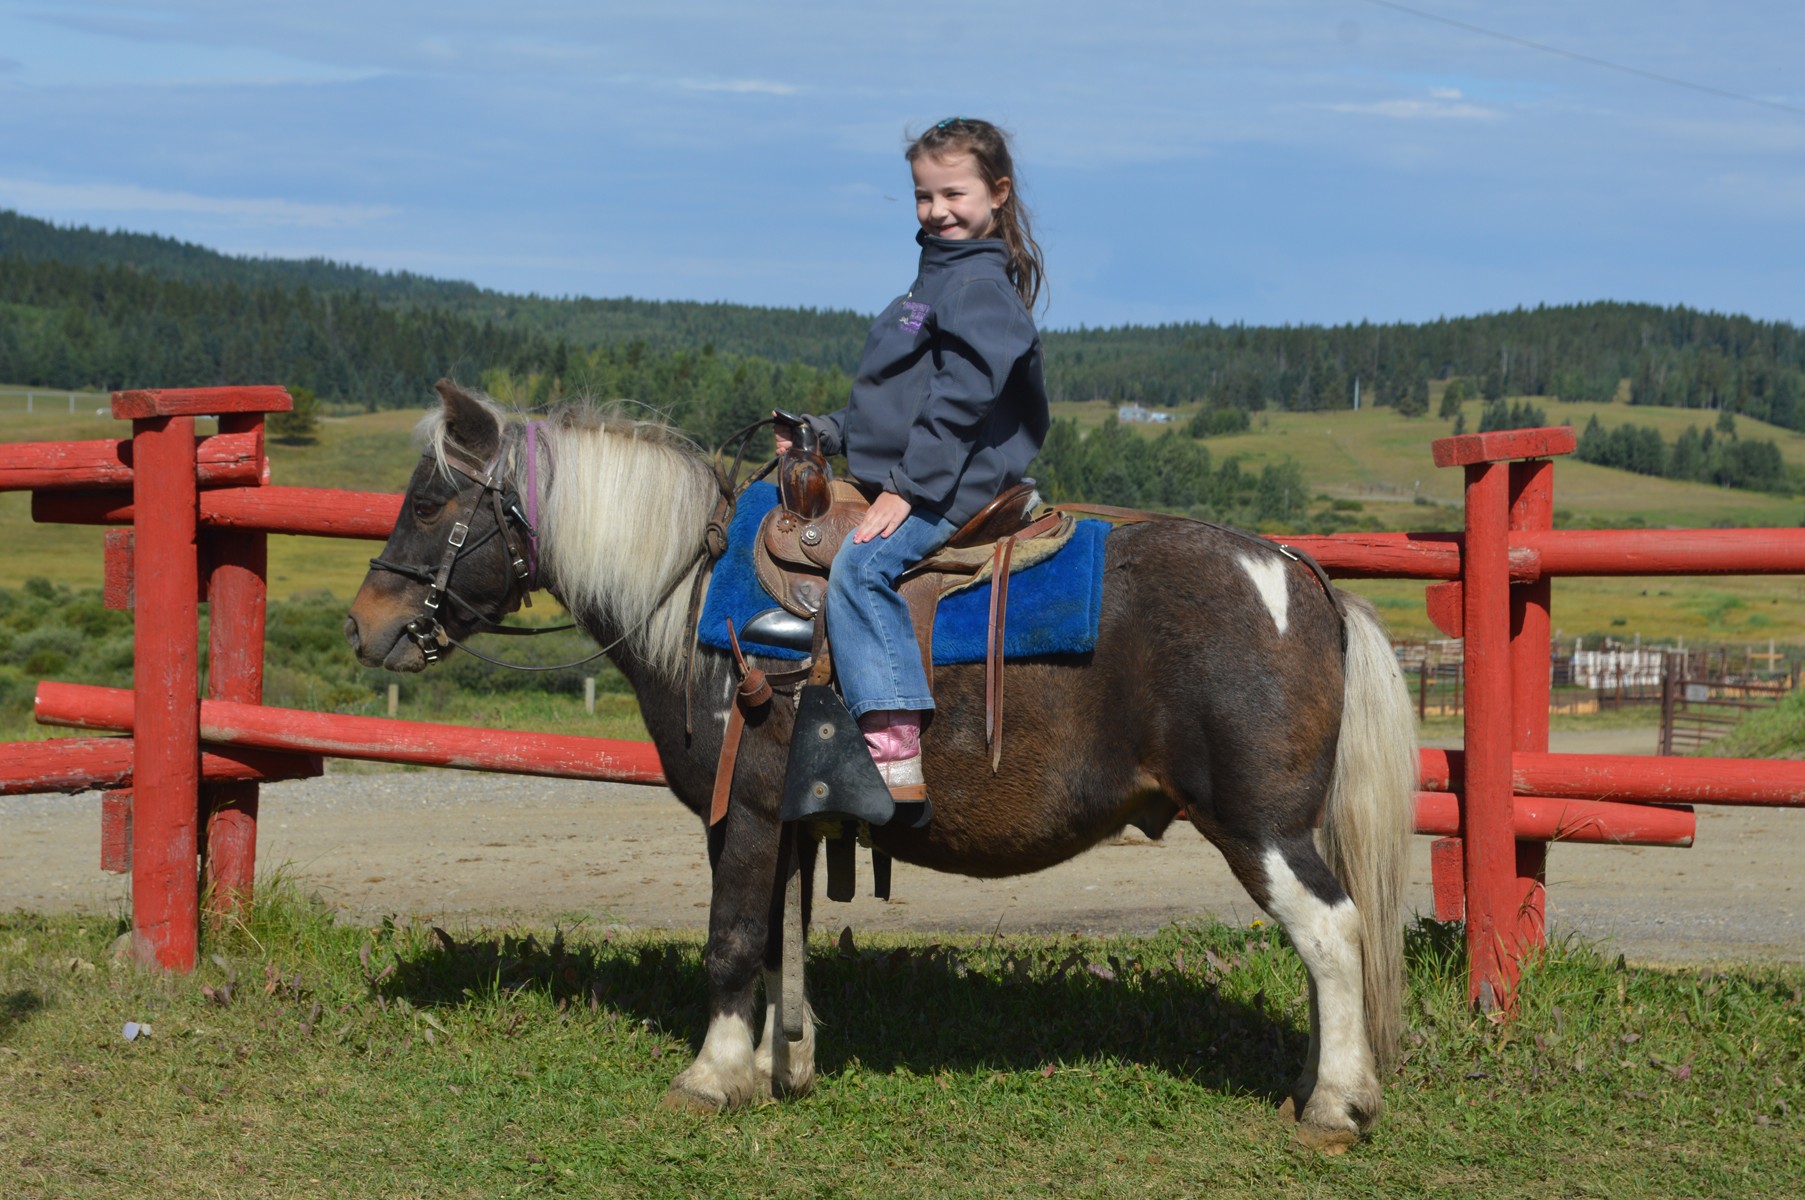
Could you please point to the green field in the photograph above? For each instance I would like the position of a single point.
(311, 1058)
(1382, 460)
(1373, 457)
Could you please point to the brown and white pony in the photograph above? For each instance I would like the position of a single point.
(1219, 686)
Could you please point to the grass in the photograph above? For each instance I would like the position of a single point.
(310, 1057)
(1382, 460)
(1777, 732)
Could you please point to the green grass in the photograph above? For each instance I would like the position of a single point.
(308, 1057)
(1777, 732)
(1383, 460)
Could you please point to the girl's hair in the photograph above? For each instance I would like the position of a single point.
(989, 149)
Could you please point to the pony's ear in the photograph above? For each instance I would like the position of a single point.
(467, 422)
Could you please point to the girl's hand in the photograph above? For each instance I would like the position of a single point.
(783, 440)
(886, 513)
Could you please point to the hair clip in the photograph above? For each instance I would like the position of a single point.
(948, 121)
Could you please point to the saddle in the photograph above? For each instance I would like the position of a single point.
(791, 556)
(794, 552)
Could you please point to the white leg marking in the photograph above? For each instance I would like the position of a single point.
(1327, 938)
(723, 1071)
(787, 1067)
(1269, 579)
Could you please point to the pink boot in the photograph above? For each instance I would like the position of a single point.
(894, 739)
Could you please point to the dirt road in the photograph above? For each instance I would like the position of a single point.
(468, 849)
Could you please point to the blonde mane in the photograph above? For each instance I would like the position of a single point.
(623, 501)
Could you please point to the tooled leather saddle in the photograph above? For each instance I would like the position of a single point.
(791, 556)
(794, 553)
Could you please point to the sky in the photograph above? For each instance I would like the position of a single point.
(1260, 161)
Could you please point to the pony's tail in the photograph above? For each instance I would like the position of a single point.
(1370, 815)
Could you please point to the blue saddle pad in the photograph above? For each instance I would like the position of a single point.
(1054, 605)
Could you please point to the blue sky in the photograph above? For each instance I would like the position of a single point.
(1267, 161)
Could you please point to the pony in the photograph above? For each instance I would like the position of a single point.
(1228, 682)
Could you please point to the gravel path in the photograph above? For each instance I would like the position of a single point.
(465, 849)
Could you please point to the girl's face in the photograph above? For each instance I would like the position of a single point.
(952, 199)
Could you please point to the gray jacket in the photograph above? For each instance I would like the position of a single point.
(949, 405)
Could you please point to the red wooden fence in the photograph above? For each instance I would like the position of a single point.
(1493, 807)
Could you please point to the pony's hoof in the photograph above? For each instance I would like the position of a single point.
(682, 1099)
(1328, 1140)
(793, 1089)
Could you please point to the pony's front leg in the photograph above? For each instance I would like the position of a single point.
(740, 927)
(787, 1068)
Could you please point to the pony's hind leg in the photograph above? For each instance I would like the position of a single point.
(1338, 1096)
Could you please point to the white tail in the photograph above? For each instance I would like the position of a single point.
(1366, 829)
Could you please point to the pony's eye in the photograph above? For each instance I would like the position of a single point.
(426, 509)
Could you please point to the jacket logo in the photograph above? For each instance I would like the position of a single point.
(914, 313)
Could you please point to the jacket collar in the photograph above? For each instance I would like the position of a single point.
(946, 252)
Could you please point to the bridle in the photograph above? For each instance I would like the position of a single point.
(490, 488)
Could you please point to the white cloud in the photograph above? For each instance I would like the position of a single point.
(34, 196)
(761, 86)
(1443, 104)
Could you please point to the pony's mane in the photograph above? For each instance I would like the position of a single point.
(624, 498)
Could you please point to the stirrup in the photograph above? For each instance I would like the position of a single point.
(831, 775)
(903, 778)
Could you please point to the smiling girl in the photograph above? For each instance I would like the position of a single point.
(947, 410)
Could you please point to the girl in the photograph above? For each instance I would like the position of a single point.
(947, 409)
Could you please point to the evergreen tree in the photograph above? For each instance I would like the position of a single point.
(1452, 397)
(1415, 402)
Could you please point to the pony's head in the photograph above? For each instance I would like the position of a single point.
(621, 503)
(448, 564)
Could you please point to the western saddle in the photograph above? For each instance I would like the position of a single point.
(795, 548)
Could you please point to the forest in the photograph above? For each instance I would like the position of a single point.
(1716, 456)
(89, 308)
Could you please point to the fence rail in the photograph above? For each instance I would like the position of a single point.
(1492, 807)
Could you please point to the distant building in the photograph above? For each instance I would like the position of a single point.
(1141, 415)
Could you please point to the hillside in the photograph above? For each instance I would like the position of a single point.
(1380, 459)
(82, 307)
(817, 338)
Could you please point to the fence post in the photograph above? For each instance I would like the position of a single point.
(166, 710)
(1502, 906)
(1669, 685)
(237, 605)
(1531, 508)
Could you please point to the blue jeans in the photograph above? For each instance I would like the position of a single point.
(868, 629)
